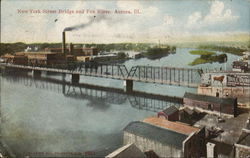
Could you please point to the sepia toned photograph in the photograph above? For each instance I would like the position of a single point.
(125, 79)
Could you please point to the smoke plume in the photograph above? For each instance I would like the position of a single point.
(92, 20)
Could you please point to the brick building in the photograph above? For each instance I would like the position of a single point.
(43, 58)
(75, 51)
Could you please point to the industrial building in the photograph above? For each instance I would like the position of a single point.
(242, 147)
(174, 126)
(16, 59)
(75, 51)
(243, 64)
(38, 58)
(51, 56)
(167, 142)
(240, 66)
(211, 104)
(44, 58)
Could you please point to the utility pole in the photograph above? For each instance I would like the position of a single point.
(225, 61)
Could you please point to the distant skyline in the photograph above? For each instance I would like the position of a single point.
(167, 21)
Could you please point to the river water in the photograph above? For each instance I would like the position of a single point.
(38, 119)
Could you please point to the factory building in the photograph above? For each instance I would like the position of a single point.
(43, 58)
(51, 56)
(15, 59)
(75, 51)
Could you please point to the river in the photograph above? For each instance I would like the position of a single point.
(39, 119)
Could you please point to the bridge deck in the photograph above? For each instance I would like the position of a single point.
(161, 75)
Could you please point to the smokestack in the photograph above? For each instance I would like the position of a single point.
(71, 47)
(63, 42)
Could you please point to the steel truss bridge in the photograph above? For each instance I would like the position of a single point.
(150, 74)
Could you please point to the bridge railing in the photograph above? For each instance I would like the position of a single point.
(164, 75)
(90, 69)
(168, 75)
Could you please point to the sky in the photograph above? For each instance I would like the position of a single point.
(157, 20)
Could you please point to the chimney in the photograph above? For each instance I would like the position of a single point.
(71, 47)
(63, 42)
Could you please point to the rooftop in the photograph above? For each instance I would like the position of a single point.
(174, 126)
(244, 139)
(232, 126)
(212, 99)
(151, 154)
(170, 110)
(129, 150)
(156, 133)
(33, 53)
(68, 48)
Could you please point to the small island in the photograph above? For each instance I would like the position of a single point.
(207, 57)
(225, 49)
(201, 52)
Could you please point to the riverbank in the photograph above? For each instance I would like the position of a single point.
(225, 49)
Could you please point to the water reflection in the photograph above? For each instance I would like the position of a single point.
(52, 115)
(98, 97)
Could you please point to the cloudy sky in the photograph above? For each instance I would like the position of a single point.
(158, 19)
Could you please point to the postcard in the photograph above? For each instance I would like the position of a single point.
(125, 78)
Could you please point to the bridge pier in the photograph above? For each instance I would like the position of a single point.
(36, 73)
(128, 86)
(75, 78)
(64, 82)
(2, 69)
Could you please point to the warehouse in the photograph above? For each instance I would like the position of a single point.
(211, 103)
(15, 59)
(43, 58)
(75, 51)
(166, 142)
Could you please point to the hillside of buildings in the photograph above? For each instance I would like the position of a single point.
(233, 48)
(17, 47)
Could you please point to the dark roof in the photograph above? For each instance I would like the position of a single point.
(240, 63)
(151, 154)
(156, 133)
(244, 139)
(170, 110)
(211, 99)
